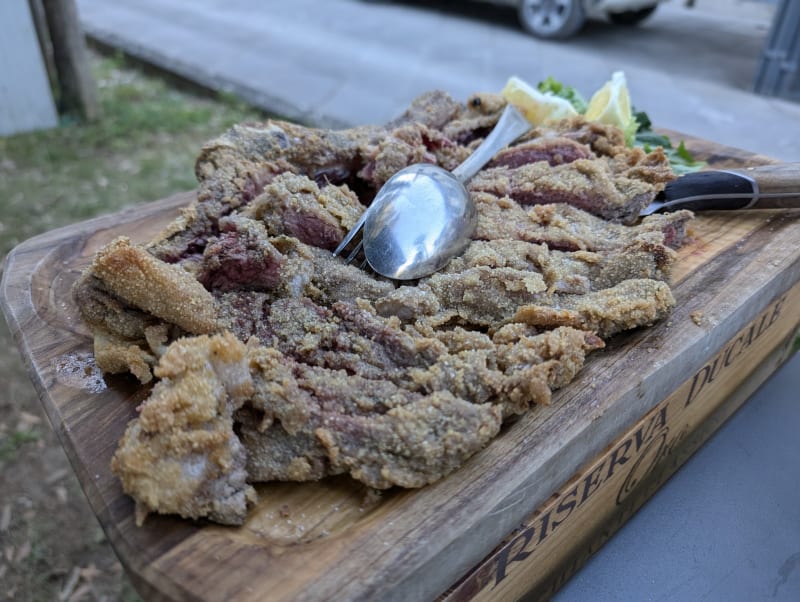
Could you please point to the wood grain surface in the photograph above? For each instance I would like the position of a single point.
(538, 557)
(332, 539)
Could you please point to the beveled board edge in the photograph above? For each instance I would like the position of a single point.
(501, 507)
(602, 494)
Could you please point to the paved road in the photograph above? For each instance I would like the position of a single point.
(341, 62)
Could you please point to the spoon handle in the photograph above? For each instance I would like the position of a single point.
(512, 125)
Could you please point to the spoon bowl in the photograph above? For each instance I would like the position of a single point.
(421, 218)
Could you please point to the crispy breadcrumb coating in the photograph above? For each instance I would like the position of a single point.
(181, 456)
(161, 289)
(303, 366)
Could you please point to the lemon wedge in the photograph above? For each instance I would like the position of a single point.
(537, 107)
(611, 104)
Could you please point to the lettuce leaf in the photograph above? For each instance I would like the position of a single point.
(680, 159)
(638, 133)
(556, 88)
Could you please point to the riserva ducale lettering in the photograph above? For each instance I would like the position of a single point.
(546, 522)
(733, 350)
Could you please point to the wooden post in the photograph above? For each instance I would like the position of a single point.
(46, 47)
(78, 92)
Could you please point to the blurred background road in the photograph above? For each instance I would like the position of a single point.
(343, 62)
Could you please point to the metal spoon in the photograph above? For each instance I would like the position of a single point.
(423, 215)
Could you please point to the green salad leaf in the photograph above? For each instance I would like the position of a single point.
(680, 159)
(556, 88)
(639, 133)
(643, 119)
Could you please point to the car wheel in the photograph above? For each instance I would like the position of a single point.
(552, 19)
(631, 17)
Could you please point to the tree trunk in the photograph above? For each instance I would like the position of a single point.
(78, 92)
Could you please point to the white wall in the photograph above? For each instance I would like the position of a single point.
(26, 101)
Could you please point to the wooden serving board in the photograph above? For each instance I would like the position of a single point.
(555, 540)
(332, 539)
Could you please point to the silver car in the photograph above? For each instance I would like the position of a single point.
(563, 18)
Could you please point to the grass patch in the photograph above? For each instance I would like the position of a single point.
(142, 149)
(13, 442)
